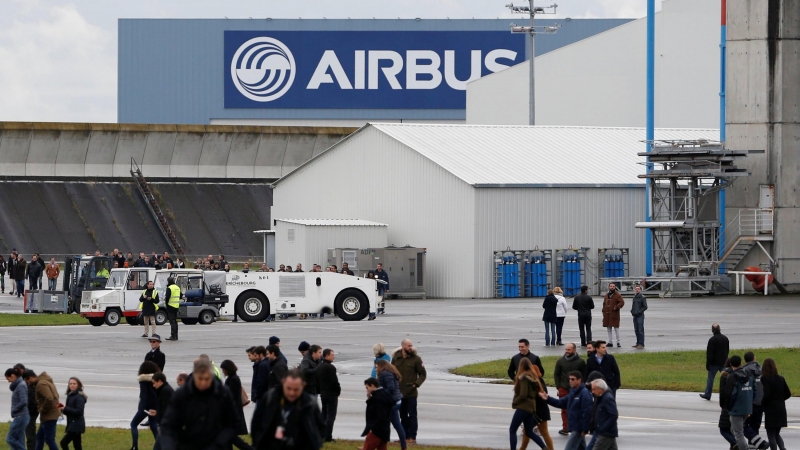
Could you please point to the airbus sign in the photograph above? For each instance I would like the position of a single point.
(361, 69)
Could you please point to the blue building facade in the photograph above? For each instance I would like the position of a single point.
(199, 71)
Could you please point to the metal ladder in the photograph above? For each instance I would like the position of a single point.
(155, 209)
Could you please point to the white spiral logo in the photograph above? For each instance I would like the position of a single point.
(263, 69)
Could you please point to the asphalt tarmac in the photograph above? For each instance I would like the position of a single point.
(448, 333)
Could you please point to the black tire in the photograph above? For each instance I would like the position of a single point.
(113, 317)
(132, 320)
(161, 318)
(351, 305)
(206, 317)
(96, 321)
(252, 306)
(74, 306)
(189, 321)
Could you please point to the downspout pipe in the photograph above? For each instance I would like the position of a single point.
(722, 62)
(651, 123)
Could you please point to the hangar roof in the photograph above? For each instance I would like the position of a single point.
(535, 156)
(333, 222)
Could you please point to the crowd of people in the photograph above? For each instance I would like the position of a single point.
(19, 271)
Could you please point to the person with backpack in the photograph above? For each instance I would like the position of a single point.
(752, 425)
(75, 404)
(738, 399)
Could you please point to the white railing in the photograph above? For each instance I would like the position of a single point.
(749, 222)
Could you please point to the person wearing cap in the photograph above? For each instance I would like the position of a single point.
(155, 354)
(303, 348)
(276, 341)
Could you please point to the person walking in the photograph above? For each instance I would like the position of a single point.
(147, 400)
(550, 317)
(173, 305)
(390, 380)
(570, 362)
(329, 391)
(606, 365)
(752, 424)
(379, 350)
(716, 354)
(605, 417)
(52, 271)
(261, 371)
(278, 368)
(612, 303)
(15, 438)
(524, 347)
(738, 399)
(638, 307)
(284, 405)
(164, 393)
(776, 392)
(580, 403)
(48, 404)
(584, 304)
(155, 354)
(20, 269)
(148, 303)
(413, 374)
(379, 405)
(201, 415)
(3, 269)
(724, 423)
(234, 385)
(73, 410)
(526, 391)
(311, 360)
(30, 378)
(561, 312)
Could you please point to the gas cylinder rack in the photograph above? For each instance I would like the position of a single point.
(506, 273)
(570, 264)
(538, 271)
(613, 262)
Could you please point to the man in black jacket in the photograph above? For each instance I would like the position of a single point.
(201, 415)
(278, 367)
(164, 392)
(261, 370)
(33, 272)
(33, 409)
(524, 352)
(584, 304)
(605, 364)
(716, 355)
(329, 391)
(287, 417)
(155, 354)
(308, 365)
(379, 409)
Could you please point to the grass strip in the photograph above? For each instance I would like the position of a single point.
(44, 319)
(120, 438)
(681, 370)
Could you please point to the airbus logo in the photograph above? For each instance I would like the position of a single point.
(263, 69)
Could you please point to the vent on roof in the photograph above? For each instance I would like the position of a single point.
(291, 234)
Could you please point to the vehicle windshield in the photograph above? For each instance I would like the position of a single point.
(117, 279)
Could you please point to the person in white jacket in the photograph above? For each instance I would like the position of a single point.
(561, 312)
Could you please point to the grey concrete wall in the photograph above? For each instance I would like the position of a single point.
(81, 150)
(763, 113)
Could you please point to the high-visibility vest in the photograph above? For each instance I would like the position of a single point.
(102, 273)
(155, 297)
(174, 296)
(216, 371)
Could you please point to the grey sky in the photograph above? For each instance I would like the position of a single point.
(58, 58)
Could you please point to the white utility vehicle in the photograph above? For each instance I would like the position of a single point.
(256, 295)
(202, 294)
(119, 299)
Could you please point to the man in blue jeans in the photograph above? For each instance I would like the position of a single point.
(413, 374)
(47, 401)
(15, 438)
(716, 355)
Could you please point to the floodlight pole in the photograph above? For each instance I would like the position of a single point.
(532, 73)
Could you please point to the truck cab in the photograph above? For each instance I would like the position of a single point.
(119, 298)
(202, 293)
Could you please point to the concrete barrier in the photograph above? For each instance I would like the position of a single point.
(82, 150)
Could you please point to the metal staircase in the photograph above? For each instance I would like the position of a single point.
(155, 209)
(748, 229)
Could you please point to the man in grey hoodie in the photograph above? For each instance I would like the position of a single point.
(19, 411)
(637, 311)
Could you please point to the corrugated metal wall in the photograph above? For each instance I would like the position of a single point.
(374, 177)
(552, 218)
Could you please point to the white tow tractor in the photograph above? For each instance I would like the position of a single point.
(119, 298)
(202, 294)
(256, 295)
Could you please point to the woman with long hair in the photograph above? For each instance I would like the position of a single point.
(561, 312)
(526, 390)
(390, 379)
(73, 409)
(550, 304)
(148, 399)
(234, 385)
(776, 392)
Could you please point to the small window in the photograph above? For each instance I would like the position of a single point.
(351, 258)
(291, 234)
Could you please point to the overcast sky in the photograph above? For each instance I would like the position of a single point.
(58, 58)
